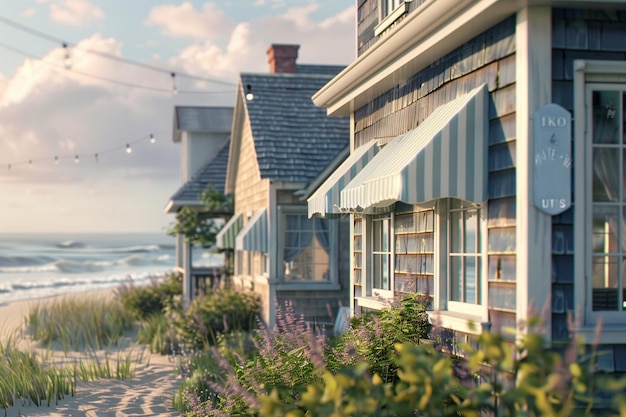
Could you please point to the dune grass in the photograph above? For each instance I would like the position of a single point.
(82, 332)
(25, 376)
(79, 323)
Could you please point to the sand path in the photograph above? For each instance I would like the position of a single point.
(149, 393)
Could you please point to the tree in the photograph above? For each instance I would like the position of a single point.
(200, 226)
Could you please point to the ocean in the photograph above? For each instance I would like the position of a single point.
(33, 266)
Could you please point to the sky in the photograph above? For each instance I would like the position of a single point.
(87, 77)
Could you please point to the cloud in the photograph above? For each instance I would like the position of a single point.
(245, 48)
(29, 12)
(185, 21)
(47, 111)
(75, 12)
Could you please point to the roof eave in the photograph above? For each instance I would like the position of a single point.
(426, 34)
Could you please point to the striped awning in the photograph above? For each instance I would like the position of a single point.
(325, 200)
(225, 238)
(254, 235)
(445, 156)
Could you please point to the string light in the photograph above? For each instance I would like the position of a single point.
(66, 45)
(174, 88)
(249, 95)
(56, 159)
(67, 59)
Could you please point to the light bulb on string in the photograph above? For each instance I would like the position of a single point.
(152, 138)
(96, 157)
(128, 148)
(174, 88)
(30, 162)
(56, 159)
(249, 95)
(76, 159)
(67, 59)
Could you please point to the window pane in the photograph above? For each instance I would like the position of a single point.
(456, 232)
(456, 278)
(385, 235)
(306, 248)
(605, 281)
(605, 229)
(502, 296)
(385, 272)
(471, 227)
(606, 106)
(502, 239)
(606, 174)
(502, 267)
(376, 269)
(470, 279)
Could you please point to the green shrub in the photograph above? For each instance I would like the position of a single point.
(372, 337)
(285, 359)
(142, 302)
(158, 333)
(216, 313)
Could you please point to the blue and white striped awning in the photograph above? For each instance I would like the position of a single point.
(445, 156)
(254, 235)
(225, 238)
(325, 200)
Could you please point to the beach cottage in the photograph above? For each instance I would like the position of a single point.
(204, 135)
(487, 167)
(280, 143)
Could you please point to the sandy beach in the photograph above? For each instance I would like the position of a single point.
(149, 393)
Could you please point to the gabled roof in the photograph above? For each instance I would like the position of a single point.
(212, 174)
(201, 119)
(294, 140)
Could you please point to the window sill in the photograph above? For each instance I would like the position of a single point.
(377, 303)
(308, 286)
(610, 333)
(461, 322)
(391, 18)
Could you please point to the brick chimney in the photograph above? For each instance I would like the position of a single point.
(282, 58)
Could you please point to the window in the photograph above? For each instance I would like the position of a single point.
(389, 6)
(381, 252)
(306, 248)
(607, 197)
(390, 13)
(414, 249)
(464, 253)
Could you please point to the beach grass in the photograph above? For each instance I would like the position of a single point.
(79, 323)
(78, 339)
(25, 376)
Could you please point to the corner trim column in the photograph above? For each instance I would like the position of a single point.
(533, 227)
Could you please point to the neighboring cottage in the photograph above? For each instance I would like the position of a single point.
(204, 134)
(487, 167)
(281, 142)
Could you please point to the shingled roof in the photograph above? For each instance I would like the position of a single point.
(294, 140)
(211, 175)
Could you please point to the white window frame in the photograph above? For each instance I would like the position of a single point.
(381, 292)
(473, 311)
(589, 75)
(477, 254)
(388, 17)
(333, 265)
